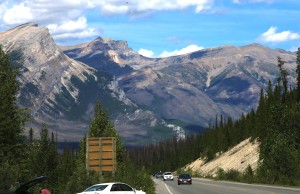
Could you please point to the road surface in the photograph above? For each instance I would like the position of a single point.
(206, 186)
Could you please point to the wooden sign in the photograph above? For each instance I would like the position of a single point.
(101, 154)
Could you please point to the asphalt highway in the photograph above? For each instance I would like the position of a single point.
(206, 186)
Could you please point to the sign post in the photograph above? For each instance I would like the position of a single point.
(101, 154)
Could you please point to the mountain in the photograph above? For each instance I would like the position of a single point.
(61, 92)
(148, 99)
(189, 89)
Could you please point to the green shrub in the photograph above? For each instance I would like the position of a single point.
(220, 174)
(248, 175)
(233, 175)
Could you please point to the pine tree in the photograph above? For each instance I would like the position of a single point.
(43, 155)
(101, 126)
(11, 118)
(283, 78)
(298, 75)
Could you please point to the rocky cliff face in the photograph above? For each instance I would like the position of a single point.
(195, 87)
(238, 158)
(46, 74)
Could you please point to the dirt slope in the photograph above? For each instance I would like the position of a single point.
(238, 158)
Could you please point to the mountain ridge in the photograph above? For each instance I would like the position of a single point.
(145, 96)
(206, 68)
(61, 92)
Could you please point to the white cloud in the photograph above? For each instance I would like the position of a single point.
(64, 18)
(3, 8)
(69, 26)
(146, 53)
(47, 11)
(133, 7)
(72, 29)
(188, 49)
(90, 32)
(18, 14)
(272, 36)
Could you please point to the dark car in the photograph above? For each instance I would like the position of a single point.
(23, 189)
(184, 179)
(159, 175)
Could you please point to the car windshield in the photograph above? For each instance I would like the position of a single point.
(96, 188)
(168, 173)
(184, 176)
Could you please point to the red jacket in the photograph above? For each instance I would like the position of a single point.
(45, 191)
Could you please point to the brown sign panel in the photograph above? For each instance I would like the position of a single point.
(101, 154)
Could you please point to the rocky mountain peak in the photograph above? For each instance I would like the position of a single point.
(23, 35)
(46, 71)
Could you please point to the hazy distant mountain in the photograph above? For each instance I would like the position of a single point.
(192, 88)
(62, 92)
(147, 99)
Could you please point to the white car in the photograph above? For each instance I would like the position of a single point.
(111, 188)
(168, 176)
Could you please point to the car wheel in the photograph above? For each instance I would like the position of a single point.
(178, 183)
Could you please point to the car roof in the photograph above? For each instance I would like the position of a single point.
(184, 174)
(110, 183)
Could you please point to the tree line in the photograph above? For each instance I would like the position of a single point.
(23, 158)
(275, 124)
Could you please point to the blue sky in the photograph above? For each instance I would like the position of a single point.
(160, 28)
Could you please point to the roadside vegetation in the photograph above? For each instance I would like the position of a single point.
(275, 124)
(25, 158)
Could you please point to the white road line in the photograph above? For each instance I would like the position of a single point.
(168, 188)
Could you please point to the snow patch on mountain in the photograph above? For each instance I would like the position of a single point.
(180, 133)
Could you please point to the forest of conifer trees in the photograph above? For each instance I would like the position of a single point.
(275, 124)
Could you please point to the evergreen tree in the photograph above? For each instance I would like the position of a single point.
(43, 157)
(101, 126)
(12, 118)
(283, 78)
(298, 75)
(99, 123)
